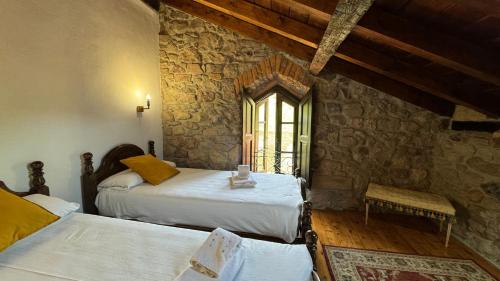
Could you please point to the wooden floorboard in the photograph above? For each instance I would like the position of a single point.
(387, 232)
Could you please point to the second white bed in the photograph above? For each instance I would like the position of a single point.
(204, 198)
(87, 247)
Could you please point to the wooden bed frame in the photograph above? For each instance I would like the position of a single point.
(111, 165)
(37, 186)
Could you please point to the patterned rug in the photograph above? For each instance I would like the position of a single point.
(362, 265)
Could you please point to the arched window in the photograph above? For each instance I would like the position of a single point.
(277, 130)
(276, 133)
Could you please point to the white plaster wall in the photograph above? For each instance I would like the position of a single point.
(71, 74)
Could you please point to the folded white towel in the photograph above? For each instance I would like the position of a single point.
(237, 182)
(229, 272)
(219, 255)
(192, 275)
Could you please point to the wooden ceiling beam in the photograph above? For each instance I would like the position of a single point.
(344, 19)
(387, 66)
(446, 50)
(321, 9)
(324, 6)
(268, 19)
(260, 34)
(391, 87)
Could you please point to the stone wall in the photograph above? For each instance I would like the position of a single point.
(467, 170)
(361, 135)
(201, 112)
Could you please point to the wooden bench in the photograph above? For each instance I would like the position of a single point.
(411, 202)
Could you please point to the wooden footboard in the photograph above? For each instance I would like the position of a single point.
(311, 244)
(306, 219)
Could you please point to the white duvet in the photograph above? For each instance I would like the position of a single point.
(87, 247)
(204, 198)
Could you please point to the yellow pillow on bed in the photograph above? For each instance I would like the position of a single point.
(20, 218)
(151, 169)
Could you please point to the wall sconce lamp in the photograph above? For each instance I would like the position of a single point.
(141, 108)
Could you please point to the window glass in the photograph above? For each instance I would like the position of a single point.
(287, 112)
(287, 137)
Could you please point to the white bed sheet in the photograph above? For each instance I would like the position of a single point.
(87, 247)
(204, 198)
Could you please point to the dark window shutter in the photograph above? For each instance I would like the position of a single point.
(304, 136)
(248, 131)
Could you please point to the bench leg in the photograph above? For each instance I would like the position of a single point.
(448, 233)
(367, 207)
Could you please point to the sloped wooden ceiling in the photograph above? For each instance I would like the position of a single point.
(432, 53)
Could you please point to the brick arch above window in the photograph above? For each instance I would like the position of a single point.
(270, 72)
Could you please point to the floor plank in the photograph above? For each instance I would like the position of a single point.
(387, 232)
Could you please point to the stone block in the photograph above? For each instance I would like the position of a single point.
(330, 182)
(214, 68)
(353, 110)
(194, 68)
(492, 189)
(388, 124)
(178, 131)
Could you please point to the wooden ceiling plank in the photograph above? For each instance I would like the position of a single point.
(324, 6)
(433, 45)
(344, 19)
(392, 87)
(321, 10)
(387, 66)
(268, 19)
(272, 39)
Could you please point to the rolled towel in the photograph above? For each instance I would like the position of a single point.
(219, 254)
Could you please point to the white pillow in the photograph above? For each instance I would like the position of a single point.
(123, 180)
(55, 205)
(170, 163)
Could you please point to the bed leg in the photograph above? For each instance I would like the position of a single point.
(311, 243)
(448, 232)
(306, 217)
(367, 208)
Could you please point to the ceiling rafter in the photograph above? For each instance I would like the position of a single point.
(344, 19)
(272, 39)
(380, 66)
(384, 65)
(433, 45)
(269, 20)
(322, 9)
(327, 7)
(392, 87)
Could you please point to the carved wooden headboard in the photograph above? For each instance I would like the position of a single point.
(109, 166)
(37, 181)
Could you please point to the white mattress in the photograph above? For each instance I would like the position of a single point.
(87, 247)
(204, 198)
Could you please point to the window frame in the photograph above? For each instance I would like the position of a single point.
(282, 95)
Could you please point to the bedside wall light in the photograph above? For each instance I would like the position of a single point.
(141, 108)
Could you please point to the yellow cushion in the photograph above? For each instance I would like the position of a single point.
(20, 218)
(151, 169)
